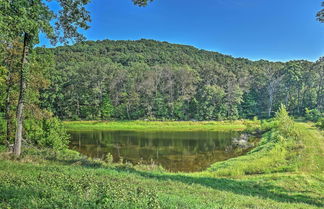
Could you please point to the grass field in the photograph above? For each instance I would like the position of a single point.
(160, 125)
(274, 175)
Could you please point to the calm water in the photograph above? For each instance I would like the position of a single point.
(175, 151)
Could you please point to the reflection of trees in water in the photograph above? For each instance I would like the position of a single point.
(186, 151)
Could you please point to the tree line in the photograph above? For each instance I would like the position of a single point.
(147, 79)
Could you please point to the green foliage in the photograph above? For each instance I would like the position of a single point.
(313, 114)
(3, 77)
(277, 151)
(161, 110)
(151, 79)
(209, 106)
(2, 129)
(320, 14)
(47, 133)
(31, 18)
(285, 126)
(320, 123)
(248, 108)
(109, 158)
(107, 109)
(267, 125)
(3, 148)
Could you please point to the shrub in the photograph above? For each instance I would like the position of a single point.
(320, 123)
(68, 154)
(47, 133)
(267, 125)
(3, 148)
(313, 114)
(252, 126)
(286, 126)
(107, 109)
(109, 158)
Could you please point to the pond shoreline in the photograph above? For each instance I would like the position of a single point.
(181, 150)
(249, 127)
(238, 125)
(244, 181)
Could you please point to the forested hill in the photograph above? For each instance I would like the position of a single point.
(158, 80)
(146, 51)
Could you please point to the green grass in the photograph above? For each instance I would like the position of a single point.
(276, 154)
(47, 179)
(312, 157)
(160, 125)
(269, 157)
(62, 186)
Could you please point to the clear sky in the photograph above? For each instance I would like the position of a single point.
(278, 30)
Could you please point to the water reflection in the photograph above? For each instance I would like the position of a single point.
(175, 151)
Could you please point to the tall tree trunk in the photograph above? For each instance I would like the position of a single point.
(127, 110)
(21, 100)
(270, 106)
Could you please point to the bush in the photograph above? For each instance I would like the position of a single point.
(313, 114)
(3, 148)
(320, 123)
(47, 133)
(267, 125)
(286, 126)
(109, 158)
(68, 154)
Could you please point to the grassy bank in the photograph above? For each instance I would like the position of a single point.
(280, 173)
(274, 155)
(161, 125)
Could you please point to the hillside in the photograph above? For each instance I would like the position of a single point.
(158, 80)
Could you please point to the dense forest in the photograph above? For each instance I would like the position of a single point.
(147, 79)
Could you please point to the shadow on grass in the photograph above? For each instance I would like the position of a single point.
(241, 187)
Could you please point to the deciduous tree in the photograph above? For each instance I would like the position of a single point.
(26, 19)
(320, 14)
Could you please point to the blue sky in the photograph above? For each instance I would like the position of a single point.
(277, 30)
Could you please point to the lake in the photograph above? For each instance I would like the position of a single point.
(187, 151)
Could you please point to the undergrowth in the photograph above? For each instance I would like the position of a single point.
(277, 151)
